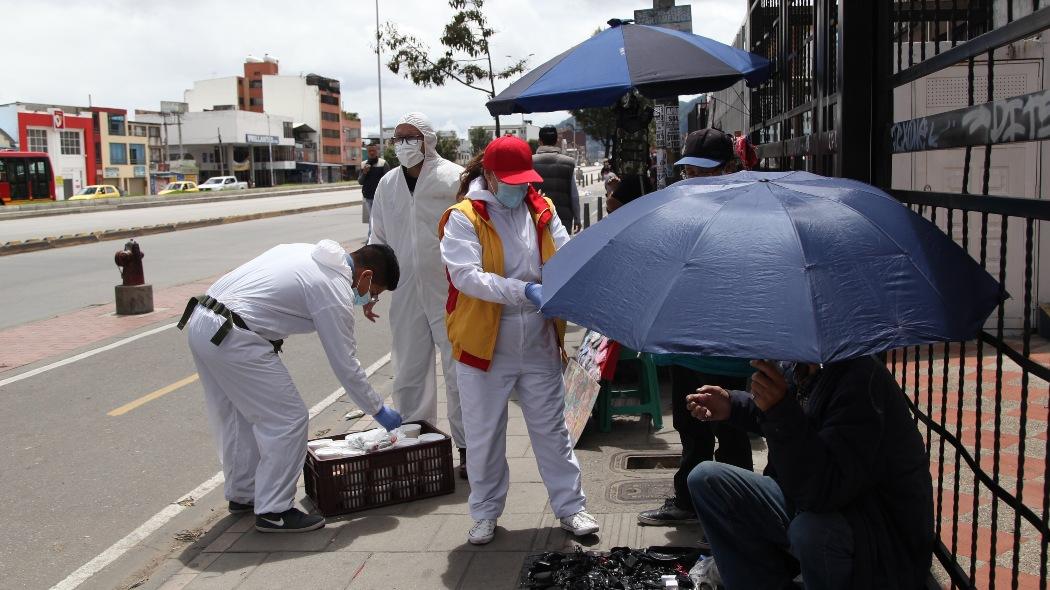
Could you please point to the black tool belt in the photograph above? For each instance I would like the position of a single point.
(232, 319)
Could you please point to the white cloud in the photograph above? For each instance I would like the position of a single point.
(135, 53)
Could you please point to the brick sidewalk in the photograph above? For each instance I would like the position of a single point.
(43, 339)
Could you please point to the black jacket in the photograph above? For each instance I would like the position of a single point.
(370, 180)
(854, 448)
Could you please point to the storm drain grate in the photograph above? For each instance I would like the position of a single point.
(651, 462)
(631, 491)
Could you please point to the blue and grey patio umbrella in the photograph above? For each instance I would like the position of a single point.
(774, 265)
(658, 62)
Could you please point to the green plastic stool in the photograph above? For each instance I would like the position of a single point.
(647, 392)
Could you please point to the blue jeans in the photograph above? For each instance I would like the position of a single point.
(757, 542)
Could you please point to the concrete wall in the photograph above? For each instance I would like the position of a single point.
(290, 96)
(207, 94)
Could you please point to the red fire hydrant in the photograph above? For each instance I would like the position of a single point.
(134, 296)
(130, 262)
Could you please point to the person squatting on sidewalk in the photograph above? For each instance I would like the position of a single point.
(409, 201)
(847, 496)
(257, 416)
(493, 244)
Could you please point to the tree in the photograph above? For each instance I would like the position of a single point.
(391, 157)
(479, 139)
(599, 123)
(534, 144)
(448, 146)
(466, 58)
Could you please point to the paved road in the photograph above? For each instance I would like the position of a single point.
(41, 227)
(78, 480)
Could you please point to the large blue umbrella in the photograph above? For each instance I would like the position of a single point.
(774, 265)
(658, 62)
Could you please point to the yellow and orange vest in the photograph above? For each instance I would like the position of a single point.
(473, 324)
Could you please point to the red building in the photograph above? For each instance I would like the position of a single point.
(65, 133)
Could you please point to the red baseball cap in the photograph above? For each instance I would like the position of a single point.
(510, 159)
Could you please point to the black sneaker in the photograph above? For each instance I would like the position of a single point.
(667, 515)
(238, 508)
(292, 520)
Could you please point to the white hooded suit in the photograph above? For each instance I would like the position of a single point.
(407, 222)
(256, 413)
(526, 359)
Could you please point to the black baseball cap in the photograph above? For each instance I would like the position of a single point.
(548, 134)
(707, 148)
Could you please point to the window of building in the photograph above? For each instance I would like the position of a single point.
(137, 151)
(255, 102)
(37, 139)
(354, 133)
(331, 133)
(116, 124)
(138, 130)
(288, 131)
(330, 100)
(329, 116)
(70, 143)
(331, 151)
(154, 131)
(255, 84)
(118, 153)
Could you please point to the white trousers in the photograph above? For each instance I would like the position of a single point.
(535, 373)
(257, 415)
(414, 336)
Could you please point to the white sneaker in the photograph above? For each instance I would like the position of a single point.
(482, 532)
(580, 524)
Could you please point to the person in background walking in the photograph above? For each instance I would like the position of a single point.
(372, 170)
(559, 183)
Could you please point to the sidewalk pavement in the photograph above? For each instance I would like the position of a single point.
(422, 544)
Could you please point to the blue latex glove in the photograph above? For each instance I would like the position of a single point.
(534, 293)
(388, 418)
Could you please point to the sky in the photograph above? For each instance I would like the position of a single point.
(135, 53)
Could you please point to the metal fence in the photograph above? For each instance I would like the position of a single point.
(842, 102)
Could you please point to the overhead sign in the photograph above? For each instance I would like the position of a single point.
(267, 139)
(679, 18)
(171, 106)
(58, 119)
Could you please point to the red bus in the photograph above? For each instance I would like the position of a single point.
(25, 176)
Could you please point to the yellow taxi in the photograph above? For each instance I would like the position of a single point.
(181, 186)
(96, 191)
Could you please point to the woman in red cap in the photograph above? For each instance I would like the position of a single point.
(494, 243)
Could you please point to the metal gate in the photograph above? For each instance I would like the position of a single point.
(946, 105)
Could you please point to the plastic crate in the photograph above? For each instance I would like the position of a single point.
(392, 476)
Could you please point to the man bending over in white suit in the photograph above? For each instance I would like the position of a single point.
(235, 332)
(409, 201)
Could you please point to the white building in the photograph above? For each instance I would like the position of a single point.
(526, 131)
(217, 92)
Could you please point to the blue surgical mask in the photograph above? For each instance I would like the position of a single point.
(359, 299)
(511, 195)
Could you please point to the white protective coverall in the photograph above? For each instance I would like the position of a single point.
(256, 413)
(407, 222)
(526, 359)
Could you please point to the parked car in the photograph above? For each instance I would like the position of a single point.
(221, 183)
(182, 186)
(96, 191)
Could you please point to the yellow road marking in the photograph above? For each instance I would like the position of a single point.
(152, 396)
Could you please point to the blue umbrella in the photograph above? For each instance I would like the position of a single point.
(774, 265)
(658, 62)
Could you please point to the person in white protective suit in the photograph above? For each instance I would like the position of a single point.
(494, 244)
(235, 332)
(409, 201)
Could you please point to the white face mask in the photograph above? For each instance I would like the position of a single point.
(409, 152)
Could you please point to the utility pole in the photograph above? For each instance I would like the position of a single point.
(222, 158)
(269, 142)
(379, 78)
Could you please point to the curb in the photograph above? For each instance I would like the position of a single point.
(154, 201)
(37, 244)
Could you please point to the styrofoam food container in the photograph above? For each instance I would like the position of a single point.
(431, 437)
